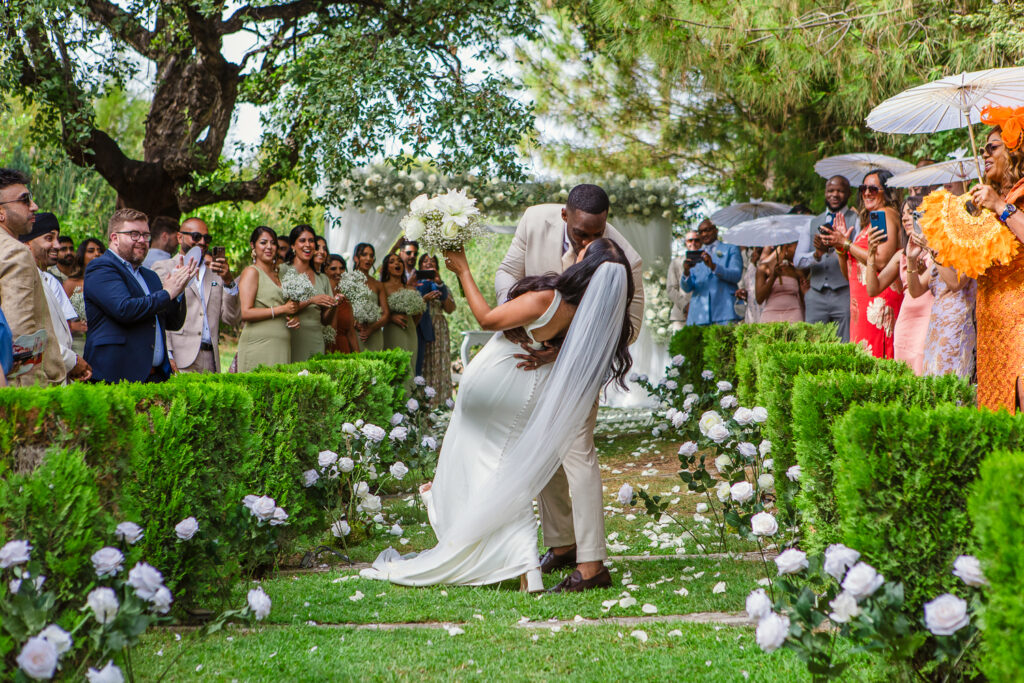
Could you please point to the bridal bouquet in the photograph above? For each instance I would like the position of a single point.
(365, 308)
(443, 223)
(78, 303)
(407, 302)
(296, 286)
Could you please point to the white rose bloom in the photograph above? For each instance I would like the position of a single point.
(741, 491)
(794, 472)
(340, 528)
(768, 464)
(862, 580)
(108, 674)
(718, 433)
(249, 500)
(690, 400)
(326, 458)
(413, 227)
(765, 448)
(362, 489)
(38, 659)
(678, 360)
(670, 413)
(103, 603)
(349, 428)
(429, 442)
(14, 553)
(359, 424)
(671, 385)
(672, 372)
(946, 614)
(310, 477)
(724, 386)
(844, 607)
(379, 518)
(449, 403)
(162, 600)
(707, 374)
(280, 517)
(723, 490)
(729, 402)
(759, 605)
(702, 507)
(429, 392)
(687, 389)
(58, 637)
(679, 419)
(129, 532)
(688, 448)
(723, 462)
(743, 416)
(396, 419)
(259, 603)
(186, 528)
(346, 464)
(772, 631)
(146, 580)
(373, 432)
(396, 530)
(398, 434)
(107, 562)
(791, 561)
(766, 481)
(764, 524)
(760, 414)
(263, 508)
(625, 494)
(839, 558)
(371, 504)
(413, 405)
(709, 420)
(747, 449)
(968, 569)
(399, 470)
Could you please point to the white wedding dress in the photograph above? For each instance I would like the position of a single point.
(508, 432)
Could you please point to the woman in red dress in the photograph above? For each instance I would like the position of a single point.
(345, 340)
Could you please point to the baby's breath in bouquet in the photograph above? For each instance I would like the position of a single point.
(407, 302)
(296, 286)
(365, 308)
(445, 222)
(78, 303)
(330, 335)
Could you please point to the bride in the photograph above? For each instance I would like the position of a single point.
(511, 427)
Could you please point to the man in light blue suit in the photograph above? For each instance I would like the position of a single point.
(712, 281)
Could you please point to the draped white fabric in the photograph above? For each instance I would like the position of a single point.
(347, 228)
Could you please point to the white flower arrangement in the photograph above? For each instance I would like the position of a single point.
(330, 335)
(78, 303)
(446, 222)
(407, 302)
(365, 308)
(296, 286)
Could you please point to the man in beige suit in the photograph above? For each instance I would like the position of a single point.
(547, 240)
(211, 297)
(22, 297)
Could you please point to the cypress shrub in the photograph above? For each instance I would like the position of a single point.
(368, 389)
(750, 337)
(995, 504)
(689, 343)
(720, 351)
(902, 478)
(822, 398)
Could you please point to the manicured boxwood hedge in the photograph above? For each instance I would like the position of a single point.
(750, 337)
(720, 351)
(995, 505)
(821, 398)
(689, 343)
(902, 478)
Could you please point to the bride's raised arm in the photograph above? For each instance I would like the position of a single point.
(514, 313)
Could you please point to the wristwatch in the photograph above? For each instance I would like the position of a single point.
(1008, 211)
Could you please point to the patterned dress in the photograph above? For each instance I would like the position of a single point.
(437, 365)
(949, 344)
(872, 319)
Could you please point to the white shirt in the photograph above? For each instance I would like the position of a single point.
(59, 295)
(59, 321)
(197, 283)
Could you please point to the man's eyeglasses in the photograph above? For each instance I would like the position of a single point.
(990, 148)
(869, 189)
(135, 235)
(24, 198)
(709, 229)
(198, 236)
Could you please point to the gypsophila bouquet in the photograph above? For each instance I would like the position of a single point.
(78, 303)
(353, 287)
(330, 335)
(445, 222)
(296, 286)
(407, 302)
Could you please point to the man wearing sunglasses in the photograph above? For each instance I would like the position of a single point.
(712, 281)
(828, 299)
(211, 298)
(22, 297)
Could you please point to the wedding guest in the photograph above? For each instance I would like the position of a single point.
(400, 331)
(409, 250)
(284, 247)
(780, 286)
(266, 315)
(211, 299)
(42, 242)
(320, 255)
(65, 265)
(371, 336)
(435, 356)
(828, 298)
(680, 299)
(165, 240)
(345, 339)
(128, 308)
(712, 281)
(22, 293)
(89, 249)
(6, 350)
(315, 312)
(746, 294)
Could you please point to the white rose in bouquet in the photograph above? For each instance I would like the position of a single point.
(58, 637)
(772, 631)
(108, 674)
(186, 528)
(862, 580)
(968, 569)
(671, 385)
(259, 603)
(129, 532)
(679, 419)
(768, 464)
(396, 419)
(145, 579)
(107, 562)
(741, 491)
(348, 428)
(362, 489)
(839, 558)
(429, 392)
(14, 553)
(707, 374)
(844, 607)
(326, 458)
(341, 528)
(946, 614)
(625, 496)
(759, 605)
(38, 659)
(399, 470)
(103, 603)
(791, 561)
(412, 405)
(763, 524)
(724, 386)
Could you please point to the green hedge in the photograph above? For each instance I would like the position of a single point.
(750, 337)
(371, 389)
(822, 398)
(689, 343)
(902, 477)
(995, 508)
(720, 351)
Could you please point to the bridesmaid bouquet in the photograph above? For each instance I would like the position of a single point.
(78, 303)
(330, 335)
(296, 286)
(445, 222)
(365, 308)
(407, 302)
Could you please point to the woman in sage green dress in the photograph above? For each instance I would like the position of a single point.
(400, 331)
(315, 312)
(371, 336)
(265, 338)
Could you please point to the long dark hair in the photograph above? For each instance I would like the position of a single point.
(294, 236)
(385, 274)
(358, 250)
(80, 253)
(891, 197)
(572, 285)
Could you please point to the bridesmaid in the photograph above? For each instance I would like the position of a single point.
(320, 255)
(314, 313)
(265, 338)
(371, 337)
(345, 340)
(779, 286)
(400, 331)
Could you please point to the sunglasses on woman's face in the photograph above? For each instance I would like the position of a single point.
(869, 189)
(990, 148)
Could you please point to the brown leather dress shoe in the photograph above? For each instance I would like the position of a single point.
(575, 583)
(552, 562)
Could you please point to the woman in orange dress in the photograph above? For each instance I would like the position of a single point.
(872, 318)
(1000, 311)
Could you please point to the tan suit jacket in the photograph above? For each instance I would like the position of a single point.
(680, 299)
(24, 305)
(220, 306)
(537, 247)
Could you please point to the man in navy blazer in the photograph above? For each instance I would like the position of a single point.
(712, 281)
(128, 308)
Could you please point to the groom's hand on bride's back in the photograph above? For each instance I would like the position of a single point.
(517, 335)
(534, 358)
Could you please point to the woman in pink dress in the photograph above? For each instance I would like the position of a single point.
(872, 318)
(779, 286)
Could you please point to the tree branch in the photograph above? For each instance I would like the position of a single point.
(285, 11)
(123, 26)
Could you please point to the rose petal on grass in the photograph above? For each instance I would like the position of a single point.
(719, 587)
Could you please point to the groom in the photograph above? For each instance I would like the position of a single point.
(547, 240)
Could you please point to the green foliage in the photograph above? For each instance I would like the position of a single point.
(749, 337)
(995, 504)
(822, 398)
(368, 389)
(689, 342)
(720, 352)
(902, 478)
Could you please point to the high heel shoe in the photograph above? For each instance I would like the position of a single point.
(531, 582)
